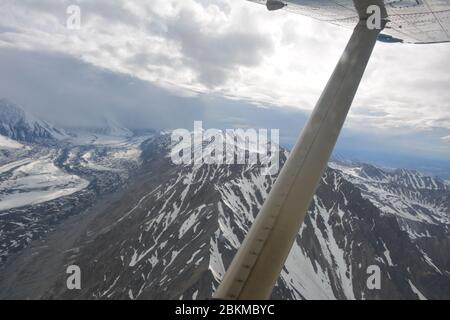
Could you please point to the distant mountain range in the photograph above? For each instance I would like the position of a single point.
(48, 174)
(141, 227)
(21, 126)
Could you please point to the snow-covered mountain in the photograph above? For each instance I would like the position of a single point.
(16, 124)
(8, 144)
(174, 231)
(50, 175)
(159, 230)
(113, 128)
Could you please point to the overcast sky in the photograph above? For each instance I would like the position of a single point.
(231, 49)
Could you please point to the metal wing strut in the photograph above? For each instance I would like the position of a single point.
(257, 265)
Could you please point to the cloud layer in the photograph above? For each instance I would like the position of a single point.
(236, 49)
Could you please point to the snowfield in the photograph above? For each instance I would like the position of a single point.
(37, 181)
(7, 143)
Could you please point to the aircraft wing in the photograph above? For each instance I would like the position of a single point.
(412, 21)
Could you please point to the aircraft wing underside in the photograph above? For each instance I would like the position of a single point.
(413, 21)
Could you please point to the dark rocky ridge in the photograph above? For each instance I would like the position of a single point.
(176, 229)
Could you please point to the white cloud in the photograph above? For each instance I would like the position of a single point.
(237, 49)
(446, 139)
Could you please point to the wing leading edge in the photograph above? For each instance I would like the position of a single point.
(413, 21)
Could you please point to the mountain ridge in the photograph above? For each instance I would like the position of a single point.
(172, 230)
(19, 125)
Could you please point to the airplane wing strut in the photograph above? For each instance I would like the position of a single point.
(257, 265)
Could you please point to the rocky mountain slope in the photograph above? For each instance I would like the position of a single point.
(173, 233)
(21, 126)
(170, 231)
